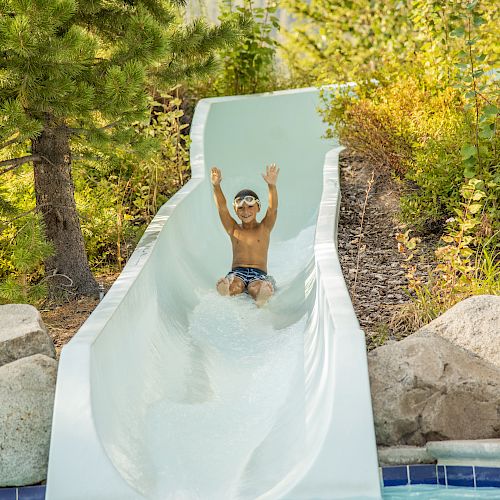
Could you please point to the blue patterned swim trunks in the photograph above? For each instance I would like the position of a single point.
(250, 274)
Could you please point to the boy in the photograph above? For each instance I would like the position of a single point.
(250, 239)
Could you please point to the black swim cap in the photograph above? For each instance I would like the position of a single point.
(246, 192)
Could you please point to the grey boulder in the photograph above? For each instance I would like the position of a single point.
(473, 324)
(22, 333)
(424, 388)
(27, 388)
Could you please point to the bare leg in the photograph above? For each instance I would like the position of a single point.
(236, 287)
(230, 286)
(261, 291)
(223, 286)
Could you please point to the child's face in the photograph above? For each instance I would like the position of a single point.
(246, 213)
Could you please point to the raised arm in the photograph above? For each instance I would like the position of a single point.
(220, 200)
(271, 176)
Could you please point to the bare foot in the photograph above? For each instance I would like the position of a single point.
(223, 286)
(264, 293)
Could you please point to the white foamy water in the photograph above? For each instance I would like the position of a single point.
(243, 370)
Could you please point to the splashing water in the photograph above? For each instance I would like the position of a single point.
(247, 369)
(242, 371)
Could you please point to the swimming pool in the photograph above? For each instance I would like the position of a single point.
(438, 492)
(430, 481)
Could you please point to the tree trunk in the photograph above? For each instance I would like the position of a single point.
(55, 199)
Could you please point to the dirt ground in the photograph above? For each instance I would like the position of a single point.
(376, 280)
(373, 267)
(64, 320)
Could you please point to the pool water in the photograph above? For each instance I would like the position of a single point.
(438, 492)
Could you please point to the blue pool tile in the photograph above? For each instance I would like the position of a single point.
(31, 493)
(395, 476)
(441, 475)
(459, 475)
(423, 474)
(488, 477)
(7, 493)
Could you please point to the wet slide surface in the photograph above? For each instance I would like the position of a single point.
(170, 391)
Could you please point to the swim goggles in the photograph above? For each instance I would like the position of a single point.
(249, 200)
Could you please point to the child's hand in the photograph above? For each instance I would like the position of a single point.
(271, 175)
(215, 176)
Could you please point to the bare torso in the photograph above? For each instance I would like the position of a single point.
(250, 246)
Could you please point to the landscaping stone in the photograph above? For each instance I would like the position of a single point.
(22, 333)
(473, 324)
(27, 388)
(403, 455)
(424, 388)
(481, 452)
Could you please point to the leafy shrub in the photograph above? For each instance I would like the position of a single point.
(434, 125)
(249, 65)
(119, 191)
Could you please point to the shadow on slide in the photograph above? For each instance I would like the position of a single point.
(170, 391)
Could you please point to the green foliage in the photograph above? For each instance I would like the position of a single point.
(461, 267)
(430, 133)
(425, 108)
(347, 40)
(85, 72)
(383, 39)
(118, 190)
(91, 66)
(248, 65)
(480, 153)
(91, 62)
(468, 263)
(22, 250)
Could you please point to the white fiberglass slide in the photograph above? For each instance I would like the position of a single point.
(170, 391)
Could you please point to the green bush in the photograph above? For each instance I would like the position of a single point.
(249, 65)
(432, 121)
(120, 190)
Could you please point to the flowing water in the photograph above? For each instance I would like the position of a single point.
(245, 365)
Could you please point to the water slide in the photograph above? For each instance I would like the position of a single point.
(170, 391)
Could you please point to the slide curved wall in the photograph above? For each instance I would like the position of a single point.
(170, 391)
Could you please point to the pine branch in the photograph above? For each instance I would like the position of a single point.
(17, 162)
(178, 70)
(5, 223)
(87, 131)
(10, 141)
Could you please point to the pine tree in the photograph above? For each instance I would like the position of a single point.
(74, 72)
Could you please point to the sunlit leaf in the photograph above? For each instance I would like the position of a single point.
(468, 150)
(459, 32)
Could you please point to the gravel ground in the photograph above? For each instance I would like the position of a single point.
(377, 284)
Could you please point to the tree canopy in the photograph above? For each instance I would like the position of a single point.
(83, 72)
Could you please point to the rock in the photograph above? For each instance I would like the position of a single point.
(403, 455)
(481, 452)
(424, 388)
(22, 333)
(473, 324)
(27, 388)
